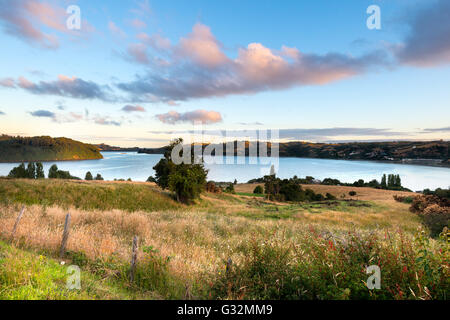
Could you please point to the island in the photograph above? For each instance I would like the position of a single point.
(45, 148)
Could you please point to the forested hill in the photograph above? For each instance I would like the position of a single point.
(18, 149)
(417, 152)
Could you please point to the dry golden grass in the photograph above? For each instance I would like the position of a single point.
(199, 238)
(368, 194)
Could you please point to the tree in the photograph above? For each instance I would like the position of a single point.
(31, 170)
(53, 172)
(383, 182)
(18, 172)
(398, 181)
(258, 190)
(230, 189)
(88, 176)
(40, 171)
(99, 177)
(186, 180)
(235, 182)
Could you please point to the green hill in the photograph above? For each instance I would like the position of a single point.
(44, 148)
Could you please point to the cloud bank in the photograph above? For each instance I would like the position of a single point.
(197, 116)
(27, 20)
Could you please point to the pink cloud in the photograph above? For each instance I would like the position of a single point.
(115, 30)
(26, 20)
(7, 82)
(130, 108)
(138, 24)
(138, 52)
(203, 116)
(155, 41)
(202, 47)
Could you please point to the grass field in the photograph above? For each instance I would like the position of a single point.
(313, 250)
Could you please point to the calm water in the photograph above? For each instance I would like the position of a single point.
(138, 167)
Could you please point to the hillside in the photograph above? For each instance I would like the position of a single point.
(416, 152)
(44, 148)
(293, 250)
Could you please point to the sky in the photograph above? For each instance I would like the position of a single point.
(138, 73)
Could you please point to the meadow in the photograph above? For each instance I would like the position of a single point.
(316, 250)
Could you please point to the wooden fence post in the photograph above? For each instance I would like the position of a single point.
(229, 264)
(133, 258)
(65, 236)
(17, 222)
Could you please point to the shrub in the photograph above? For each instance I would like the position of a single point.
(352, 193)
(329, 196)
(323, 266)
(434, 211)
(258, 190)
(230, 189)
(436, 218)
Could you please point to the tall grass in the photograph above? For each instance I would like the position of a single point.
(311, 253)
(84, 195)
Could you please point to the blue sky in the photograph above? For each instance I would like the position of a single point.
(138, 70)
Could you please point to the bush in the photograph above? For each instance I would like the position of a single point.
(230, 189)
(329, 196)
(258, 190)
(324, 266)
(352, 193)
(436, 218)
(434, 211)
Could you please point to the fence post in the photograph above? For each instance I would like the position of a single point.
(65, 236)
(133, 258)
(17, 222)
(229, 264)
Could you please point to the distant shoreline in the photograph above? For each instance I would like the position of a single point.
(415, 162)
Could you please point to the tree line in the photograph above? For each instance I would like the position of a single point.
(35, 170)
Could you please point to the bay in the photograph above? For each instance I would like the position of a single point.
(138, 167)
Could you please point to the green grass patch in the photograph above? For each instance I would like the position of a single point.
(247, 194)
(27, 275)
(86, 196)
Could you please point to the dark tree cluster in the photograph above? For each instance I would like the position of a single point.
(32, 171)
(290, 190)
(186, 180)
(55, 173)
(89, 176)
